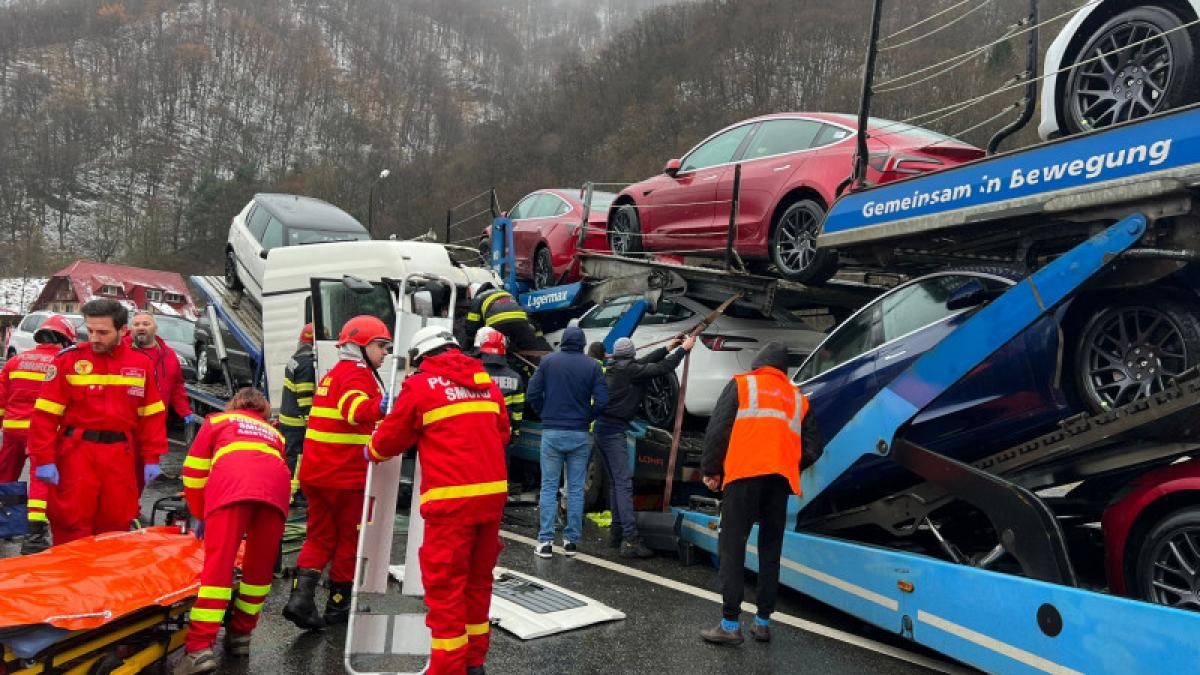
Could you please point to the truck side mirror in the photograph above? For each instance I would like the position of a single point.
(356, 284)
(970, 294)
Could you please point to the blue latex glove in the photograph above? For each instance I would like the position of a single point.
(385, 404)
(47, 473)
(150, 472)
(192, 419)
(198, 528)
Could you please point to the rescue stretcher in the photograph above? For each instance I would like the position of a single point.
(112, 603)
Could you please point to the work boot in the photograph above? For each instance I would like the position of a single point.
(337, 607)
(203, 661)
(719, 636)
(302, 607)
(760, 632)
(37, 540)
(237, 644)
(614, 536)
(634, 548)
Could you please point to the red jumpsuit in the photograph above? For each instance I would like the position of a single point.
(90, 410)
(168, 376)
(236, 479)
(20, 381)
(455, 415)
(333, 474)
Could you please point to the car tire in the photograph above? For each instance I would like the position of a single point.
(793, 244)
(1158, 568)
(660, 401)
(1081, 106)
(206, 372)
(543, 268)
(625, 230)
(232, 282)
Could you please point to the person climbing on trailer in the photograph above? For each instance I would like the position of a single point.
(299, 383)
(454, 413)
(237, 484)
(333, 475)
(497, 308)
(20, 381)
(752, 450)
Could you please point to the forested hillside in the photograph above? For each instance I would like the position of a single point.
(134, 130)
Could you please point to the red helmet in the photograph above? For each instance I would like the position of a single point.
(491, 341)
(362, 329)
(306, 334)
(56, 328)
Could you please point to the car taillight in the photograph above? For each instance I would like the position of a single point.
(725, 343)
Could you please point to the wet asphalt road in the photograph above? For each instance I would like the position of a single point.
(659, 634)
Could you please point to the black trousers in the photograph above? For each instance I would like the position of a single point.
(293, 438)
(762, 500)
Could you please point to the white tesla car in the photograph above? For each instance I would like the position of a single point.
(728, 347)
(1136, 59)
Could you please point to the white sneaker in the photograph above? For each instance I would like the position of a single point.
(544, 550)
(569, 548)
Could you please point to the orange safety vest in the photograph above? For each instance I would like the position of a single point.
(766, 433)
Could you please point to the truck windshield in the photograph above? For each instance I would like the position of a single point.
(340, 304)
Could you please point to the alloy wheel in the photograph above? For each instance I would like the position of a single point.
(1175, 579)
(1127, 80)
(1131, 353)
(797, 241)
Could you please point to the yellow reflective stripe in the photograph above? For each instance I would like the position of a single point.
(506, 316)
(244, 445)
(304, 402)
(450, 644)
(37, 503)
(478, 628)
(49, 406)
(197, 463)
(514, 398)
(253, 590)
(326, 413)
(517, 416)
(301, 388)
(289, 421)
(152, 409)
(16, 424)
(27, 375)
(1, 411)
(354, 408)
(327, 437)
(116, 380)
(472, 316)
(487, 302)
(459, 409)
(374, 453)
(207, 615)
(352, 392)
(459, 491)
(194, 483)
(482, 378)
(250, 608)
(215, 593)
(37, 517)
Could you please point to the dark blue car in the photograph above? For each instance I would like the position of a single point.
(1097, 351)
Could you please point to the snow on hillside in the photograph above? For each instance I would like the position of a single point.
(16, 294)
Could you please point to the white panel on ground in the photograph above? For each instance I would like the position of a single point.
(531, 608)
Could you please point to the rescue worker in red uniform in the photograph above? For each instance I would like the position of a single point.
(454, 413)
(20, 381)
(168, 375)
(98, 398)
(237, 483)
(333, 475)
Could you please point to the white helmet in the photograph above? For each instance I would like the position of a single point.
(428, 339)
(476, 288)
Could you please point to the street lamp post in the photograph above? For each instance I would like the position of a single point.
(371, 202)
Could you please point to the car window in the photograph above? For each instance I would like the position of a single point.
(547, 205)
(31, 322)
(273, 237)
(524, 207)
(775, 137)
(561, 207)
(717, 150)
(257, 221)
(176, 330)
(830, 133)
(604, 316)
(297, 236)
(600, 200)
(668, 312)
(853, 338)
(918, 305)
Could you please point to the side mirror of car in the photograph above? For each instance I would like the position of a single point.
(263, 254)
(672, 167)
(357, 285)
(970, 294)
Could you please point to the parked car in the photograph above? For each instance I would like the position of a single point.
(728, 347)
(21, 338)
(546, 234)
(276, 220)
(1156, 72)
(180, 336)
(793, 167)
(208, 364)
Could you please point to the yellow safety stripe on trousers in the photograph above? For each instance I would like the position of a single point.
(514, 398)
(478, 628)
(482, 378)
(197, 463)
(37, 503)
(27, 375)
(194, 483)
(450, 644)
(304, 402)
(207, 615)
(302, 388)
(506, 316)
(518, 416)
(37, 517)
(327, 437)
(246, 418)
(245, 445)
(152, 409)
(289, 421)
(254, 590)
(115, 380)
(49, 406)
(325, 413)
(454, 409)
(354, 408)
(250, 608)
(215, 593)
(460, 491)
(16, 424)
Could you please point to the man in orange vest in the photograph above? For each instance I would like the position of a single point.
(752, 448)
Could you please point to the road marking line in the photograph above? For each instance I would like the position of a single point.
(988, 642)
(780, 617)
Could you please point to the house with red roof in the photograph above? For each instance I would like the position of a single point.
(136, 288)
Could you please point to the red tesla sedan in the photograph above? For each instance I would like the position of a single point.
(546, 233)
(793, 167)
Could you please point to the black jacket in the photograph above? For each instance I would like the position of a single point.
(299, 382)
(511, 385)
(627, 379)
(720, 425)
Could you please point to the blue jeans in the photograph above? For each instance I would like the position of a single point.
(559, 448)
(614, 450)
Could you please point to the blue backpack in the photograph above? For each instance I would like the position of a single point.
(14, 510)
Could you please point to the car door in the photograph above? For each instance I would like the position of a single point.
(249, 253)
(682, 206)
(270, 237)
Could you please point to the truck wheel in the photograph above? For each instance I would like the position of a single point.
(206, 372)
(1168, 562)
(661, 401)
(625, 230)
(793, 245)
(232, 282)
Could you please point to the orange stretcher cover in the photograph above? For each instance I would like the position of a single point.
(91, 581)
